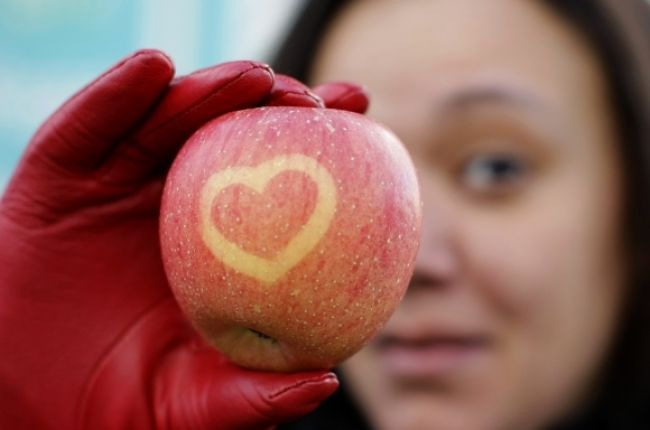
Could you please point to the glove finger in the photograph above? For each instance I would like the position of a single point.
(87, 127)
(288, 91)
(267, 400)
(344, 95)
(202, 390)
(190, 102)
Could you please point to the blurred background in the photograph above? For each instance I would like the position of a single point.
(51, 48)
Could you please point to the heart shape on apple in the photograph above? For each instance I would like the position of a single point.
(265, 270)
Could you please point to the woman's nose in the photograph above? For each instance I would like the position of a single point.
(437, 262)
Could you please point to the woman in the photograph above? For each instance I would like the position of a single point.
(529, 304)
(528, 123)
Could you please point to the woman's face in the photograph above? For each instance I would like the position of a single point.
(519, 277)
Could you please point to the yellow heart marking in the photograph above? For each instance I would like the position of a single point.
(262, 269)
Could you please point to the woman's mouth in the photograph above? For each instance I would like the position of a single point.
(429, 356)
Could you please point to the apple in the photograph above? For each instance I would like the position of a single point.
(289, 234)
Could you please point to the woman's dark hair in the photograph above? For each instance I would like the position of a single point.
(619, 31)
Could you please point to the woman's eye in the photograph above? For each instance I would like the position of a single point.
(493, 173)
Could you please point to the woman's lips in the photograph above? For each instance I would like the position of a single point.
(428, 356)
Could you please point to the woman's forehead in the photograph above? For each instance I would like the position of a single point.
(463, 51)
(448, 35)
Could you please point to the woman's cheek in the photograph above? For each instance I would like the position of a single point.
(514, 263)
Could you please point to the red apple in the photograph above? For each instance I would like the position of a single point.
(289, 234)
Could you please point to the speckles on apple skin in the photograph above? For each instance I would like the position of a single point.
(333, 301)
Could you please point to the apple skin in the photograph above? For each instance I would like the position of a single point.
(289, 235)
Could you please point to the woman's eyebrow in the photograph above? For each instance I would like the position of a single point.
(470, 97)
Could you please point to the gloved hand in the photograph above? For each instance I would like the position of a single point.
(90, 336)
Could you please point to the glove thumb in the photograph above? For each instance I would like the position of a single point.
(199, 389)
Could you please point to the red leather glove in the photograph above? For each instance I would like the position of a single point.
(90, 336)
